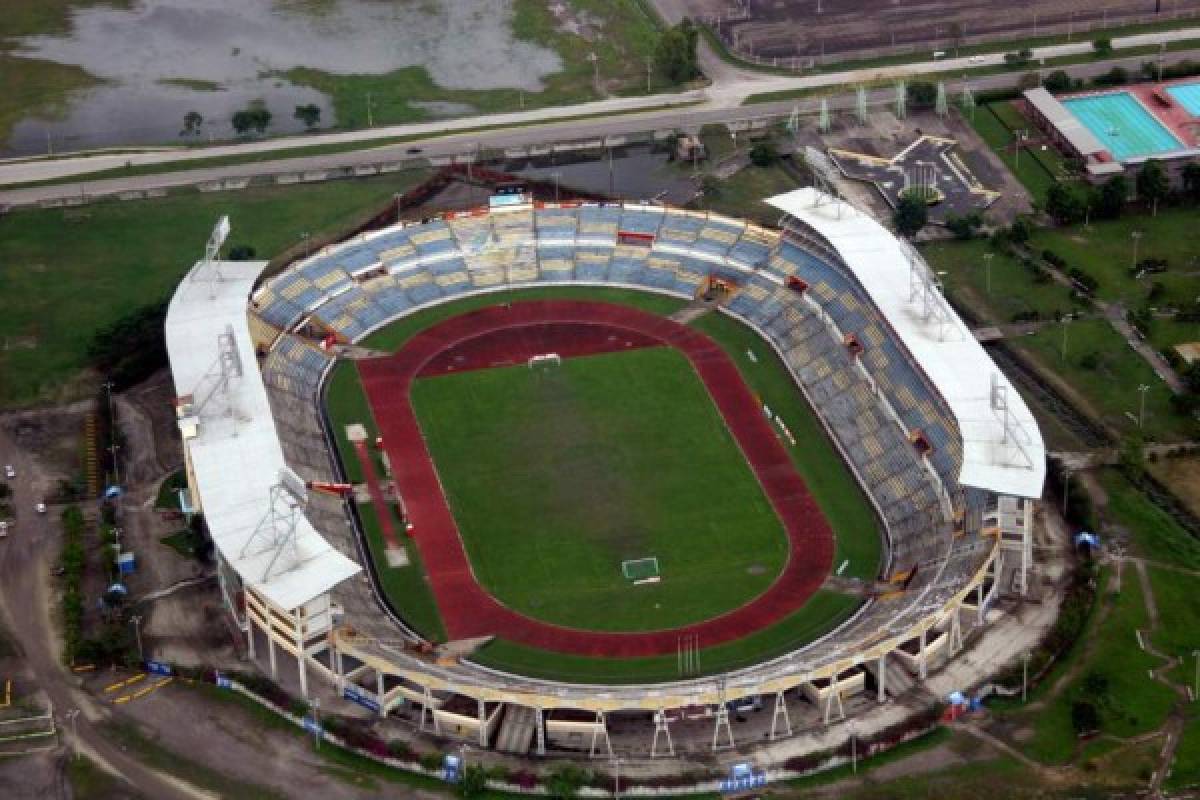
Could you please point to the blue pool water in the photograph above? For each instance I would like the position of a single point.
(1188, 96)
(1123, 125)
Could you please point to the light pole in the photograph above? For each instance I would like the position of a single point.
(595, 59)
(1066, 489)
(1142, 389)
(557, 177)
(112, 432)
(987, 269)
(1024, 677)
(1066, 324)
(72, 715)
(1118, 556)
(137, 632)
(316, 712)
(1196, 693)
(1137, 237)
(853, 748)
(616, 762)
(306, 237)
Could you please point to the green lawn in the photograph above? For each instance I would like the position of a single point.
(1105, 251)
(1012, 289)
(556, 477)
(1034, 174)
(1132, 702)
(1154, 533)
(168, 490)
(1105, 373)
(1185, 770)
(1179, 613)
(68, 273)
(821, 613)
(742, 194)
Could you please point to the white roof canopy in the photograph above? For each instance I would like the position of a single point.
(1002, 446)
(236, 455)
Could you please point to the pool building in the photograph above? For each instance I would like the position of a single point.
(1114, 131)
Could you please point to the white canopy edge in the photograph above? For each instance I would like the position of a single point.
(1003, 451)
(236, 455)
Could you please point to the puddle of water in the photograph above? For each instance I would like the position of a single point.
(464, 44)
(639, 172)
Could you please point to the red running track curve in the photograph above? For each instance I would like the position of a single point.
(467, 608)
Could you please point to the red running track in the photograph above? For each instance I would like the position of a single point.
(467, 608)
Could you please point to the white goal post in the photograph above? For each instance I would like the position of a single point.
(545, 360)
(641, 570)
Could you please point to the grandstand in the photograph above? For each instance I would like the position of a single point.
(947, 452)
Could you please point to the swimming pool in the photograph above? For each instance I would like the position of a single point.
(1123, 125)
(1188, 96)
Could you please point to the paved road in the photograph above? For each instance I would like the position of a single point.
(730, 87)
(461, 144)
(26, 558)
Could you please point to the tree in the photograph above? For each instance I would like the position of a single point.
(1057, 81)
(1110, 199)
(131, 349)
(1064, 204)
(1152, 182)
(473, 781)
(763, 154)
(1084, 717)
(1102, 46)
(964, 227)
(1191, 181)
(675, 54)
(310, 115)
(192, 121)
(256, 118)
(1117, 76)
(242, 252)
(921, 94)
(565, 782)
(912, 213)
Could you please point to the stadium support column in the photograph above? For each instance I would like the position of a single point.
(979, 603)
(301, 652)
(539, 720)
(249, 637)
(661, 727)
(956, 639)
(722, 721)
(780, 711)
(340, 683)
(834, 696)
(881, 696)
(379, 691)
(922, 657)
(483, 732)
(271, 653)
(601, 727)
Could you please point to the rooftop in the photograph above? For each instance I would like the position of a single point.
(1002, 447)
(234, 447)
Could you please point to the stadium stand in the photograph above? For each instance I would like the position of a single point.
(861, 370)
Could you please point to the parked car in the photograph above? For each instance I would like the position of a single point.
(3, 529)
(9, 472)
(41, 508)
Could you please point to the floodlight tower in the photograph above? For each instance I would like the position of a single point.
(825, 122)
(967, 100)
(861, 105)
(901, 100)
(941, 105)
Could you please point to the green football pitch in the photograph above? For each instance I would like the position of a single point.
(557, 475)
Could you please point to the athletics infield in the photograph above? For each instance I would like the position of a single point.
(508, 334)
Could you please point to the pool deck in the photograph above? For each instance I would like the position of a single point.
(1173, 116)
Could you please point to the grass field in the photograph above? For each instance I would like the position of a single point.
(1104, 250)
(69, 273)
(1035, 175)
(855, 527)
(556, 477)
(1011, 290)
(1131, 703)
(1154, 533)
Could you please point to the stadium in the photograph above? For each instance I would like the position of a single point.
(592, 476)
